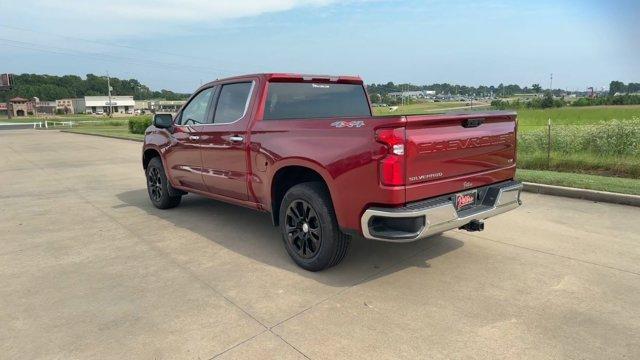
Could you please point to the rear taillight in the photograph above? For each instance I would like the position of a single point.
(392, 165)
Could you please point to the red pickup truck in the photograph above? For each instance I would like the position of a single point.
(308, 150)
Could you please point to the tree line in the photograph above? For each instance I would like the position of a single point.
(618, 87)
(453, 89)
(615, 87)
(52, 87)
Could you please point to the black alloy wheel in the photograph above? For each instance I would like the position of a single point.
(303, 229)
(161, 193)
(309, 227)
(155, 184)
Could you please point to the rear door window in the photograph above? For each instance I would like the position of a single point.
(315, 100)
(232, 102)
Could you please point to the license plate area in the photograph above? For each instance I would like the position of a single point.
(465, 199)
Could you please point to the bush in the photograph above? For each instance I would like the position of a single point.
(628, 99)
(139, 125)
(114, 123)
(536, 103)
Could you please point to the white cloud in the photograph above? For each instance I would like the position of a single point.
(198, 10)
(116, 18)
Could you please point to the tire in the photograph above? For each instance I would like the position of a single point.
(158, 186)
(319, 244)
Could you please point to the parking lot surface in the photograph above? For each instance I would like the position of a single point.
(89, 269)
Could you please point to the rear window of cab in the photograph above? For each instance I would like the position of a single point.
(302, 100)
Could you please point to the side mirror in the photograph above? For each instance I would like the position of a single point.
(162, 121)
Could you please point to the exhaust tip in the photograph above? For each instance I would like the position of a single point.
(474, 225)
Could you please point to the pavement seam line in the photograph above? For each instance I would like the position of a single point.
(293, 347)
(165, 255)
(238, 344)
(358, 282)
(553, 254)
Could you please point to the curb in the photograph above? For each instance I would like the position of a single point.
(592, 195)
(100, 135)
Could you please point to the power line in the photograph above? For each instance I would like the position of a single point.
(103, 57)
(118, 46)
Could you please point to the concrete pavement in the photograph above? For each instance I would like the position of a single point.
(89, 269)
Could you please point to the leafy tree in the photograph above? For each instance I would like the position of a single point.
(536, 88)
(547, 100)
(375, 98)
(617, 87)
(633, 88)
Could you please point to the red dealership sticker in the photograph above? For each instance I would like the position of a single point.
(465, 199)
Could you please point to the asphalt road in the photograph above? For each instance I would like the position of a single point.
(89, 269)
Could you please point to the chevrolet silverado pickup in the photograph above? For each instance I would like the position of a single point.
(308, 150)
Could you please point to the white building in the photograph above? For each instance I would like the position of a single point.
(100, 104)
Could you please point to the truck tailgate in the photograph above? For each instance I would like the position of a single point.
(458, 152)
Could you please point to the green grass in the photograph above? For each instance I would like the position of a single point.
(121, 132)
(583, 162)
(529, 119)
(424, 107)
(583, 181)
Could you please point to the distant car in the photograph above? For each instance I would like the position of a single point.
(100, 112)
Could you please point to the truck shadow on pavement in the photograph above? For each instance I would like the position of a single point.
(250, 234)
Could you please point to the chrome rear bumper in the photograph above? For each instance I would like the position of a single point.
(424, 218)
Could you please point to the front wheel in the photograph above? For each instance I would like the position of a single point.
(310, 231)
(158, 186)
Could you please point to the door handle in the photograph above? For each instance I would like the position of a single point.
(236, 138)
(194, 137)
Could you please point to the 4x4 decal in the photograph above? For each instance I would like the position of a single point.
(349, 124)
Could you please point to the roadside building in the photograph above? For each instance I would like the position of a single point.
(70, 106)
(162, 106)
(65, 106)
(19, 107)
(45, 107)
(167, 106)
(78, 105)
(3, 109)
(142, 106)
(121, 104)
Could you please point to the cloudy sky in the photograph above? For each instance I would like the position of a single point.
(179, 44)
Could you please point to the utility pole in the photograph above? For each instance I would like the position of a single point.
(551, 83)
(109, 91)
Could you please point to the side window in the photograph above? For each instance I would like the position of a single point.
(196, 111)
(232, 103)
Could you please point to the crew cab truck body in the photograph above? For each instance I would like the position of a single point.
(308, 150)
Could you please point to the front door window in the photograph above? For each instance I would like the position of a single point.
(195, 113)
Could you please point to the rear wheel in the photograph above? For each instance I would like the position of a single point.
(158, 186)
(310, 231)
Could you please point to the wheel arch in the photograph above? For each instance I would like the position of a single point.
(289, 175)
(148, 154)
